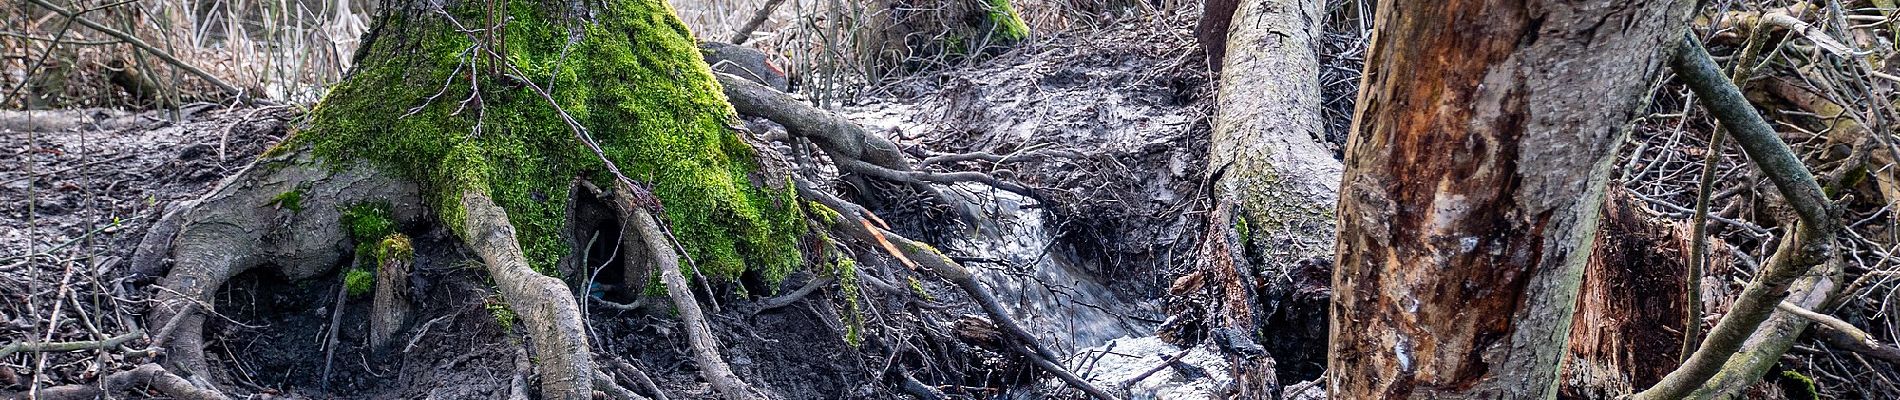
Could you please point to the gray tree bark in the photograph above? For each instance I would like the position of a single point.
(1274, 189)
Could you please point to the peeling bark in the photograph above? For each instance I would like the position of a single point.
(1475, 172)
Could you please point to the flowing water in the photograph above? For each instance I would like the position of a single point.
(1053, 299)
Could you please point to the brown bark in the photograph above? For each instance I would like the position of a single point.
(1211, 31)
(1473, 180)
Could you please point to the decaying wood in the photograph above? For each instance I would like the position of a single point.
(1478, 160)
(390, 307)
(1629, 307)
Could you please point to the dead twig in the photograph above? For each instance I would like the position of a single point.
(141, 45)
(49, 347)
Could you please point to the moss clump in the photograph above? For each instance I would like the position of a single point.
(631, 75)
(917, 286)
(367, 222)
(845, 270)
(396, 246)
(1005, 24)
(291, 200)
(503, 315)
(359, 281)
(1796, 386)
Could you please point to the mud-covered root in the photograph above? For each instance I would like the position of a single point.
(283, 210)
(858, 223)
(637, 222)
(552, 317)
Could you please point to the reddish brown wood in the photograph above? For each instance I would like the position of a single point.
(1472, 185)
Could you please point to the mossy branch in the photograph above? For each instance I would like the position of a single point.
(1809, 245)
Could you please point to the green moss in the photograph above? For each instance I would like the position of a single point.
(394, 246)
(1005, 24)
(632, 76)
(367, 222)
(1240, 227)
(917, 286)
(1796, 386)
(503, 315)
(845, 270)
(359, 281)
(291, 200)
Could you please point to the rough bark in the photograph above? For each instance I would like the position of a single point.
(1271, 230)
(389, 306)
(1473, 180)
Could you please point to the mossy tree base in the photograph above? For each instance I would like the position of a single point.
(493, 132)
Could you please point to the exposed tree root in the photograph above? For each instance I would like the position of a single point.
(106, 343)
(856, 222)
(150, 375)
(637, 221)
(283, 210)
(635, 374)
(553, 319)
(851, 147)
(810, 286)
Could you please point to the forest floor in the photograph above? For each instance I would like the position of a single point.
(1116, 118)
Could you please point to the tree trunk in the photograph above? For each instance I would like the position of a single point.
(1272, 227)
(489, 112)
(1473, 180)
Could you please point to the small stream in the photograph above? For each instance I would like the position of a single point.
(1053, 299)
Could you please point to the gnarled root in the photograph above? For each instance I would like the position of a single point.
(850, 147)
(146, 375)
(637, 222)
(283, 210)
(857, 223)
(552, 317)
